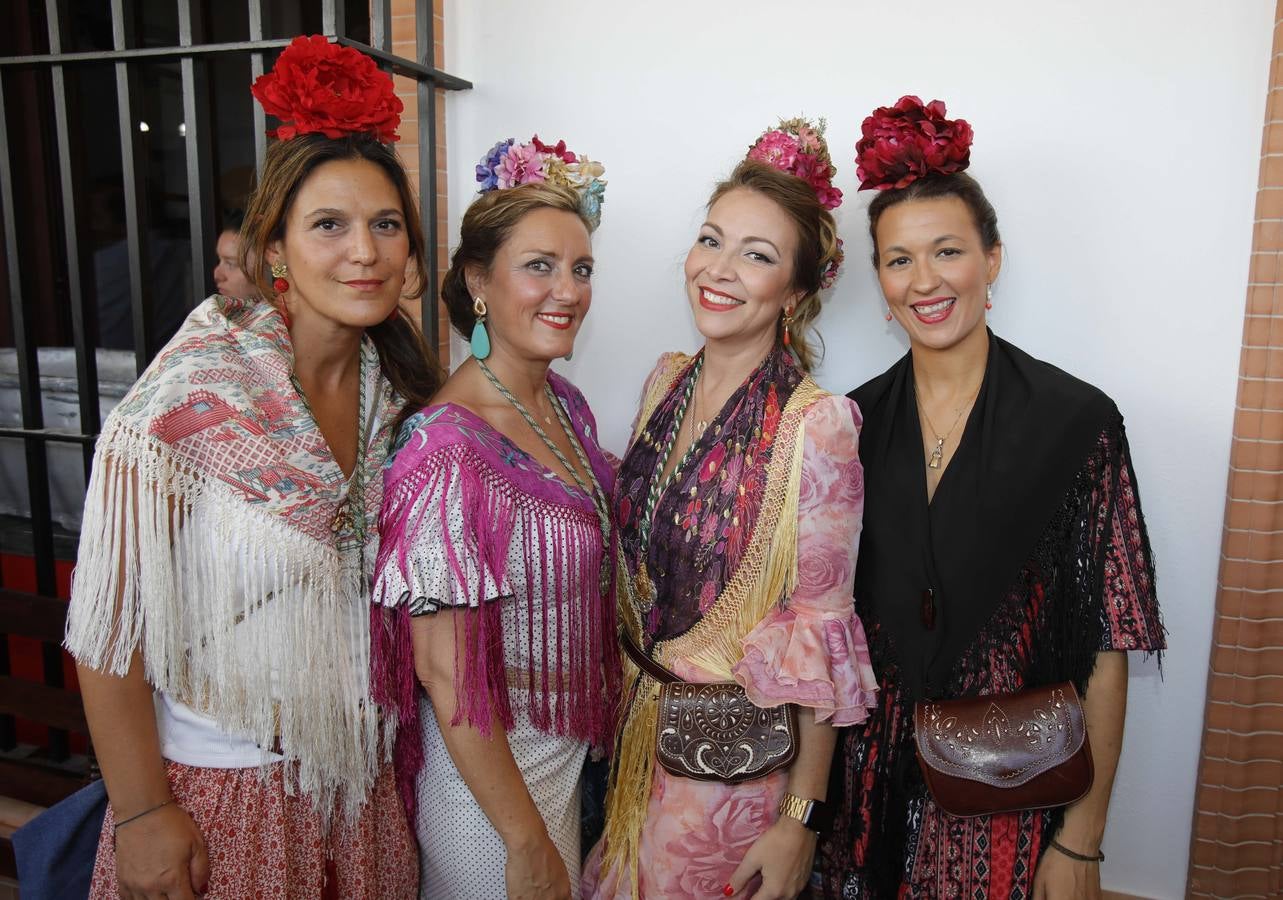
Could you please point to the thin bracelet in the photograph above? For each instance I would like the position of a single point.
(1056, 845)
(116, 827)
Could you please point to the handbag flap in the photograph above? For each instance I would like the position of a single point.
(1002, 740)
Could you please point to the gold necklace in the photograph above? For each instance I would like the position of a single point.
(937, 452)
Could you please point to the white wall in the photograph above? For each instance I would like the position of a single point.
(1119, 143)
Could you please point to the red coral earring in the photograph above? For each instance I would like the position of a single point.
(279, 273)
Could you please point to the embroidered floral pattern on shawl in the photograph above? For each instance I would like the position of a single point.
(214, 485)
(702, 522)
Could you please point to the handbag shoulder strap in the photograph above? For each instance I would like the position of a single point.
(644, 662)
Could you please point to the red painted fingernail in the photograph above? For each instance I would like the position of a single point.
(727, 891)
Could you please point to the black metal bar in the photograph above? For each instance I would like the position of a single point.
(48, 434)
(86, 360)
(28, 366)
(381, 25)
(333, 18)
(256, 69)
(86, 377)
(101, 56)
(400, 65)
(200, 183)
(426, 94)
(140, 304)
(403, 66)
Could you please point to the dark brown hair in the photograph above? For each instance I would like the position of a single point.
(817, 239)
(408, 362)
(489, 222)
(933, 187)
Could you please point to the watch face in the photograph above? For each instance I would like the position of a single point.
(819, 816)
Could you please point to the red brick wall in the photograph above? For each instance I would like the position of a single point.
(1235, 848)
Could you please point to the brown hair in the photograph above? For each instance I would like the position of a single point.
(817, 241)
(408, 362)
(933, 187)
(489, 222)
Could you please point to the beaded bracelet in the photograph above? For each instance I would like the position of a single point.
(1080, 857)
(116, 827)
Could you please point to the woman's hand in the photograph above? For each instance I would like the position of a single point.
(783, 856)
(535, 871)
(1061, 878)
(161, 855)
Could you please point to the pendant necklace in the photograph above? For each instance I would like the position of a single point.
(937, 452)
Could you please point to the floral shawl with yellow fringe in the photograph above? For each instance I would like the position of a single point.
(218, 541)
(722, 552)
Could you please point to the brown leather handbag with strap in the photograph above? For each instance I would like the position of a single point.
(1006, 752)
(713, 732)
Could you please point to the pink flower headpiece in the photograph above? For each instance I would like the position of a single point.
(797, 147)
(902, 143)
(319, 87)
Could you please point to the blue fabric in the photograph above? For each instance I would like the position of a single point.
(55, 850)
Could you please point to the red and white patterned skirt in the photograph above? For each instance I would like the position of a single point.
(267, 845)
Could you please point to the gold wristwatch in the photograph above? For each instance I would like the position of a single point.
(813, 814)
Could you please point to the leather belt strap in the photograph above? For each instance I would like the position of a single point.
(644, 662)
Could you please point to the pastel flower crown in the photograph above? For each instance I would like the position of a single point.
(797, 147)
(905, 142)
(321, 88)
(509, 164)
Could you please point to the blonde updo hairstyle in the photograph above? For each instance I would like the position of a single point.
(817, 243)
(487, 224)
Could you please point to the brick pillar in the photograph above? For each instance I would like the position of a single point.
(1237, 841)
(403, 44)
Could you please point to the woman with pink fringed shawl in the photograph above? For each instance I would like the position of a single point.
(494, 571)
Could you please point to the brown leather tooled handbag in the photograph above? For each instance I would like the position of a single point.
(1006, 752)
(713, 732)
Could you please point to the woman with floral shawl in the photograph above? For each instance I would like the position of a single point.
(229, 533)
(739, 506)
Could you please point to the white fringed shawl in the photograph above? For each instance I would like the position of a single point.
(207, 544)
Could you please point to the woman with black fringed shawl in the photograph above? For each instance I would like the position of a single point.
(1003, 544)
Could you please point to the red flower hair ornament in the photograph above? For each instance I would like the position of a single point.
(321, 88)
(902, 143)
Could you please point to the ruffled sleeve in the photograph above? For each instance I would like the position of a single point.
(812, 650)
(440, 546)
(444, 539)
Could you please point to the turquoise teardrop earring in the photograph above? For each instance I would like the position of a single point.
(480, 337)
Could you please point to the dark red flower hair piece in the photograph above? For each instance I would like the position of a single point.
(904, 142)
(321, 88)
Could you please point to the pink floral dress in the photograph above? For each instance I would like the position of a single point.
(776, 472)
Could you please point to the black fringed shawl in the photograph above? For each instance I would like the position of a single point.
(1030, 578)
(1030, 431)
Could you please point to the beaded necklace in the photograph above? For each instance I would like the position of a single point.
(658, 484)
(350, 516)
(594, 492)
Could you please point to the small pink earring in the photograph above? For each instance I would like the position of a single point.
(988, 296)
(888, 316)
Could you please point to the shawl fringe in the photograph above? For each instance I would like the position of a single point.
(569, 670)
(172, 563)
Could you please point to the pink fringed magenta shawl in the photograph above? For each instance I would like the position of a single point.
(471, 522)
(209, 545)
